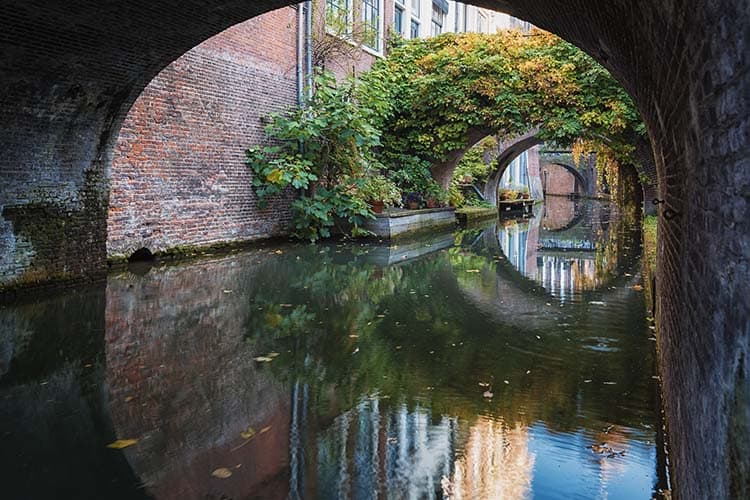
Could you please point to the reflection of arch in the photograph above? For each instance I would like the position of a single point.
(511, 149)
(583, 185)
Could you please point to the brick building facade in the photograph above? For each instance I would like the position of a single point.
(178, 176)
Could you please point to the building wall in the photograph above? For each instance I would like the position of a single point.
(557, 180)
(178, 175)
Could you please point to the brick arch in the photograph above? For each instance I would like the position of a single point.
(70, 73)
(584, 183)
(510, 149)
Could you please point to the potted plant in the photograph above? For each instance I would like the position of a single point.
(379, 192)
(412, 200)
(525, 193)
(507, 194)
(435, 196)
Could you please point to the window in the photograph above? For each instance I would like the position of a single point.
(461, 10)
(371, 23)
(398, 20)
(338, 16)
(414, 29)
(481, 22)
(415, 7)
(438, 19)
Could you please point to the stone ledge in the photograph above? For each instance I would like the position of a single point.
(399, 223)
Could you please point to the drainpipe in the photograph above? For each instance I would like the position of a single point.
(300, 54)
(308, 47)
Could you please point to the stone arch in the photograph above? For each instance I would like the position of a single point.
(584, 183)
(510, 150)
(70, 76)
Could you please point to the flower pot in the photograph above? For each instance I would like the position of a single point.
(412, 205)
(431, 203)
(376, 206)
(525, 196)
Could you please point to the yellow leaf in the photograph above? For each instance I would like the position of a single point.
(249, 433)
(122, 443)
(274, 176)
(222, 473)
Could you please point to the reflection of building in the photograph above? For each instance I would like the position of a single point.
(495, 463)
(561, 258)
(394, 452)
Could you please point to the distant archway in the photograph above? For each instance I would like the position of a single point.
(511, 149)
(583, 186)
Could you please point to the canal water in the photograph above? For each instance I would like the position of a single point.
(510, 360)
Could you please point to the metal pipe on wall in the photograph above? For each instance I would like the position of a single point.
(300, 54)
(308, 47)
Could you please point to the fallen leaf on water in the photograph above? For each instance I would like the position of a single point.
(279, 252)
(263, 359)
(472, 270)
(506, 381)
(227, 291)
(285, 305)
(528, 371)
(381, 315)
(122, 443)
(352, 336)
(129, 399)
(273, 354)
(637, 288)
(484, 384)
(264, 429)
(587, 381)
(597, 303)
(249, 433)
(609, 383)
(222, 473)
(487, 394)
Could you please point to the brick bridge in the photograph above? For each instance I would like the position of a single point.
(585, 177)
(71, 71)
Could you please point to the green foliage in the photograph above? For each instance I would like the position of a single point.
(318, 148)
(315, 216)
(376, 187)
(439, 89)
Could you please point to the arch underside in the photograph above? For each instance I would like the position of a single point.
(583, 185)
(511, 149)
(71, 71)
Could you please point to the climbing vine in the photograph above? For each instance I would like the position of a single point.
(440, 89)
(399, 121)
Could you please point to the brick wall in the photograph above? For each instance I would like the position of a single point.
(558, 180)
(178, 175)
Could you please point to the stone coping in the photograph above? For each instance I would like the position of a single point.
(394, 213)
